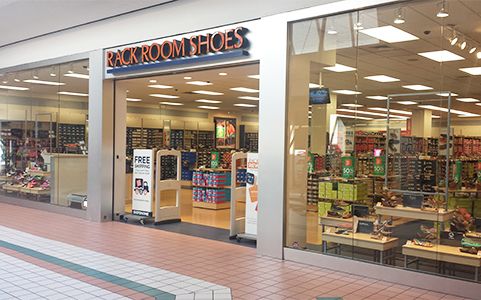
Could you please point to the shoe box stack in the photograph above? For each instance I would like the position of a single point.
(366, 142)
(211, 179)
(356, 191)
(203, 139)
(364, 165)
(241, 176)
(177, 139)
(411, 145)
(70, 134)
(226, 159)
(188, 163)
(210, 195)
(168, 167)
(154, 138)
(203, 158)
(327, 190)
(211, 186)
(432, 147)
(312, 189)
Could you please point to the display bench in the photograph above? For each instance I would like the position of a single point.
(382, 246)
(442, 253)
(414, 213)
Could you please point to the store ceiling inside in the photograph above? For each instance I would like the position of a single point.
(30, 18)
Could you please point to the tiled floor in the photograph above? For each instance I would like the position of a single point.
(44, 255)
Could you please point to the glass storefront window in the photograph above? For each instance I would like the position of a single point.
(44, 134)
(384, 139)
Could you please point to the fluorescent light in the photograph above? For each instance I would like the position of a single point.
(245, 105)
(389, 34)
(171, 103)
(352, 105)
(244, 90)
(331, 31)
(160, 86)
(208, 101)
(133, 99)
(472, 71)
(254, 76)
(469, 115)
(164, 96)
(435, 117)
(314, 85)
(249, 98)
(201, 83)
(73, 94)
(153, 81)
(339, 68)
(208, 93)
(35, 81)
(13, 88)
(187, 78)
(346, 92)
(222, 74)
(377, 97)
(352, 117)
(77, 75)
(407, 102)
(362, 112)
(441, 56)
(404, 112)
(443, 109)
(446, 94)
(382, 78)
(417, 87)
(208, 107)
(468, 100)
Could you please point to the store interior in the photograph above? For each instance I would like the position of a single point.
(397, 179)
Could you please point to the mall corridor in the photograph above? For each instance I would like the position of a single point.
(50, 256)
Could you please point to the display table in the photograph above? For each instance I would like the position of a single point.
(211, 205)
(414, 213)
(442, 253)
(361, 240)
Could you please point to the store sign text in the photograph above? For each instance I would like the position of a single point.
(201, 44)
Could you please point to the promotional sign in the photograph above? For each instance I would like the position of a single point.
(379, 165)
(348, 170)
(394, 140)
(349, 141)
(142, 179)
(215, 159)
(225, 133)
(252, 183)
(457, 171)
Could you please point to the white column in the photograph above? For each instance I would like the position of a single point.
(421, 122)
(120, 181)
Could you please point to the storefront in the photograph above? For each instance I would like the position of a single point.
(365, 114)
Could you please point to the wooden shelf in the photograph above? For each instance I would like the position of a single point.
(35, 191)
(414, 213)
(339, 222)
(362, 240)
(209, 205)
(12, 188)
(444, 253)
(38, 173)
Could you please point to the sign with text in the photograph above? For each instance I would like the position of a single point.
(252, 187)
(142, 179)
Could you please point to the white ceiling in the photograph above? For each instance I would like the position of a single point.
(26, 19)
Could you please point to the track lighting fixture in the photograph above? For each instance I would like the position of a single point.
(472, 50)
(443, 12)
(463, 45)
(399, 17)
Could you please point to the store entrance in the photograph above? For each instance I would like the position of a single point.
(208, 116)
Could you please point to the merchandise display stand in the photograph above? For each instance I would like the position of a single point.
(414, 213)
(167, 214)
(238, 192)
(217, 188)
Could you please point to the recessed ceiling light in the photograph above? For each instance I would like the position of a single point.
(16, 80)
(472, 71)
(377, 97)
(201, 83)
(314, 85)
(244, 90)
(208, 101)
(13, 88)
(187, 78)
(352, 105)
(389, 34)
(77, 75)
(254, 76)
(382, 78)
(208, 93)
(472, 50)
(417, 87)
(468, 100)
(171, 103)
(463, 45)
(346, 92)
(245, 105)
(160, 86)
(164, 96)
(404, 112)
(435, 117)
(73, 94)
(331, 31)
(249, 98)
(339, 68)
(53, 74)
(152, 81)
(353, 117)
(407, 102)
(454, 40)
(134, 99)
(441, 56)
(446, 94)
(222, 74)
(208, 107)
(34, 81)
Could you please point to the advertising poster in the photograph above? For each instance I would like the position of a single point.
(394, 140)
(225, 133)
(142, 179)
(379, 165)
(252, 183)
(215, 159)
(348, 164)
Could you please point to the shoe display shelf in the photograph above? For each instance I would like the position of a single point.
(211, 188)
